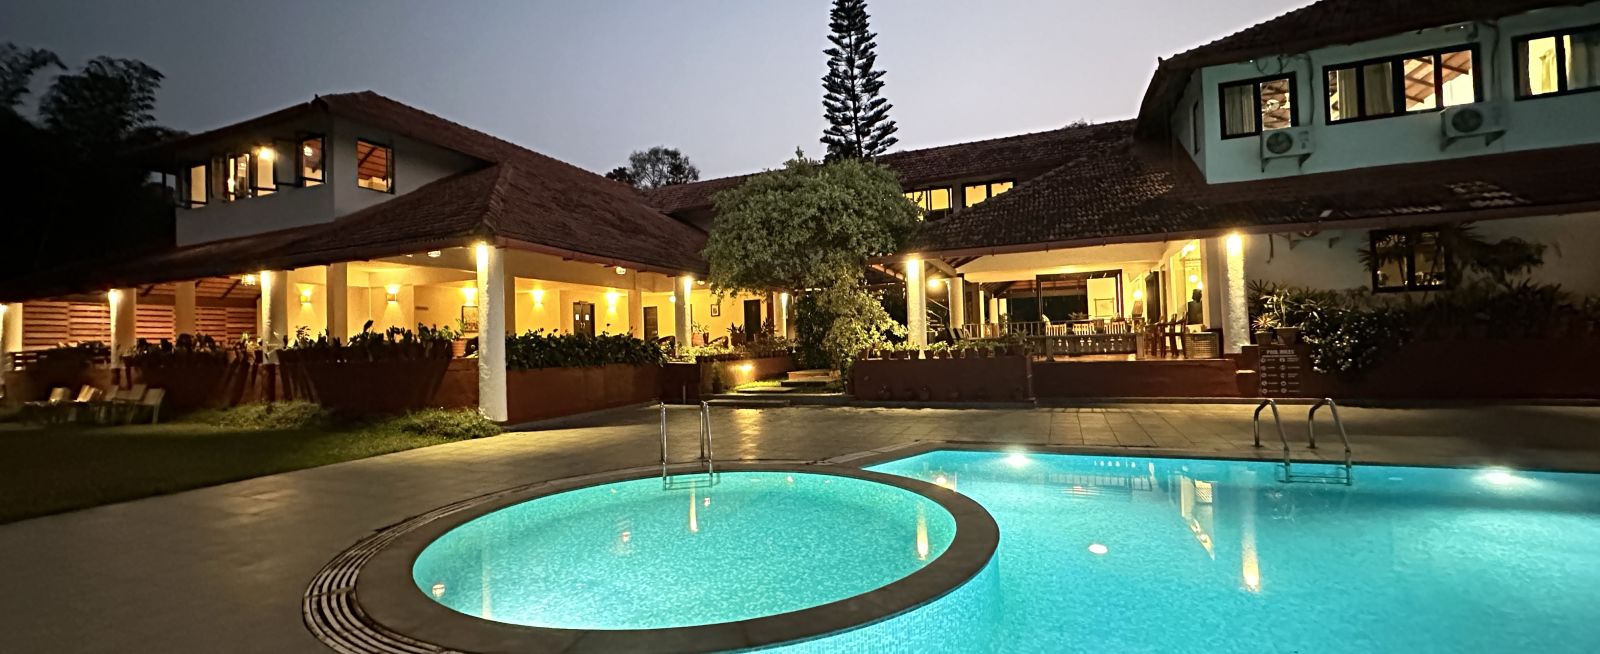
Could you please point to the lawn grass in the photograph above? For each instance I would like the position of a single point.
(55, 468)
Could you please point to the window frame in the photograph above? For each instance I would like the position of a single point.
(1520, 68)
(1397, 62)
(933, 214)
(374, 143)
(1197, 132)
(1255, 83)
(188, 183)
(988, 190)
(300, 178)
(1409, 262)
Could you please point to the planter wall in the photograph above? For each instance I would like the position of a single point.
(555, 392)
(1002, 378)
(722, 375)
(360, 388)
(1195, 378)
(1468, 368)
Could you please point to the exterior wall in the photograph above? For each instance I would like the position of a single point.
(415, 164)
(1330, 260)
(1533, 123)
(701, 299)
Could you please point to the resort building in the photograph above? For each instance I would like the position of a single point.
(1283, 154)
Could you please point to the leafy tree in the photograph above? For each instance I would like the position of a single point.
(105, 108)
(654, 168)
(858, 118)
(17, 68)
(810, 228)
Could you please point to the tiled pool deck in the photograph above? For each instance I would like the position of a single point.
(224, 568)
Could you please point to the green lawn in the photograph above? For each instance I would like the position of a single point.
(60, 468)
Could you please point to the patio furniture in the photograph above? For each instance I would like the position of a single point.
(149, 404)
(84, 403)
(120, 402)
(42, 409)
(1201, 345)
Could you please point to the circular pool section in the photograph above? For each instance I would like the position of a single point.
(633, 555)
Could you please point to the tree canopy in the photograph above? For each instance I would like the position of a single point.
(656, 167)
(806, 225)
(858, 116)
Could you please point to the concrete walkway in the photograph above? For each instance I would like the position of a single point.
(223, 569)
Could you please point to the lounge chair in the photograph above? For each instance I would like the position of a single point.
(86, 402)
(119, 403)
(150, 403)
(42, 409)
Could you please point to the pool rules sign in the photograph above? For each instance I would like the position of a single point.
(1281, 370)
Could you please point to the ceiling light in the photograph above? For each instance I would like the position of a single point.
(434, 254)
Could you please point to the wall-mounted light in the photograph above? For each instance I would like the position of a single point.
(611, 301)
(392, 292)
(620, 270)
(934, 282)
(249, 280)
(434, 254)
(1138, 295)
(1186, 250)
(114, 295)
(747, 368)
(266, 153)
(672, 298)
(469, 296)
(538, 298)
(1235, 244)
(305, 295)
(700, 282)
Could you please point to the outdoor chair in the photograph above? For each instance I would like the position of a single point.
(84, 404)
(149, 404)
(42, 409)
(120, 402)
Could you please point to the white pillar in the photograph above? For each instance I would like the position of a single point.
(916, 303)
(636, 309)
(183, 319)
(1235, 308)
(510, 305)
(1213, 279)
(994, 309)
(10, 333)
(124, 308)
(563, 311)
(958, 301)
(780, 316)
(274, 325)
(680, 308)
(337, 298)
(492, 401)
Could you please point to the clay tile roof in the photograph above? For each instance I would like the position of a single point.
(1318, 25)
(996, 157)
(1113, 192)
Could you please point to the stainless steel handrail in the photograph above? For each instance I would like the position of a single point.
(1311, 430)
(1276, 418)
(705, 438)
(663, 441)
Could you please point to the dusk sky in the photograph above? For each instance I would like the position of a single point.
(734, 84)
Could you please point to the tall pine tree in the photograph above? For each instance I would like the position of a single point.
(858, 119)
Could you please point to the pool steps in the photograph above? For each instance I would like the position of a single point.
(1343, 474)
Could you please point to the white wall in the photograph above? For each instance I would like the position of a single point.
(416, 164)
(1330, 259)
(1533, 123)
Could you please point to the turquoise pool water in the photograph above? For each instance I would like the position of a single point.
(1108, 554)
(631, 555)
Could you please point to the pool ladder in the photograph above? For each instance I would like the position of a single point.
(668, 480)
(1343, 477)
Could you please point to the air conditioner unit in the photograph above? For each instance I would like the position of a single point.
(1282, 143)
(1486, 119)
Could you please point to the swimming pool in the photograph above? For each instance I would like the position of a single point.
(631, 555)
(1114, 554)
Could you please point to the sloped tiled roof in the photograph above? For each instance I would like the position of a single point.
(997, 157)
(520, 197)
(1112, 192)
(1318, 25)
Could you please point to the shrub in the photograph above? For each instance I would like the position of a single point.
(187, 349)
(536, 349)
(453, 424)
(267, 416)
(393, 344)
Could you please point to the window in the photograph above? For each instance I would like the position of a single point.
(1558, 62)
(931, 200)
(1408, 260)
(264, 182)
(1255, 106)
(972, 194)
(310, 157)
(374, 166)
(1402, 84)
(237, 177)
(197, 186)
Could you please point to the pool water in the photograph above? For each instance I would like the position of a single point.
(1110, 554)
(631, 555)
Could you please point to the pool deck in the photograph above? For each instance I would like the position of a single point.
(225, 568)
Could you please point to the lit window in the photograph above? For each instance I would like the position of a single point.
(264, 182)
(238, 177)
(1255, 106)
(374, 166)
(1559, 62)
(1418, 82)
(1408, 260)
(972, 194)
(310, 157)
(197, 186)
(931, 200)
